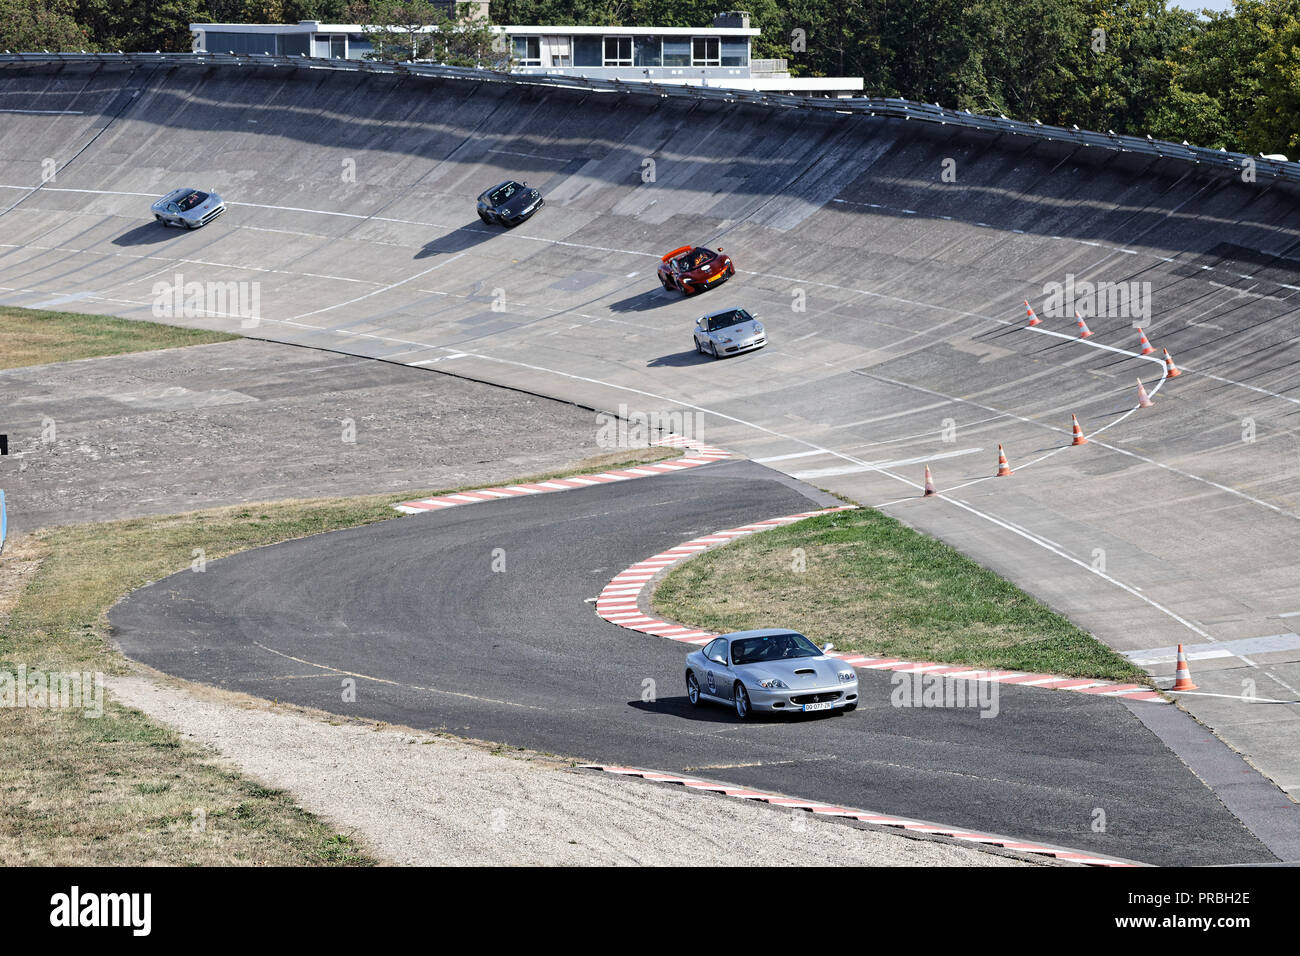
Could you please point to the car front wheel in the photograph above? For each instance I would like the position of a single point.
(714, 349)
(692, 689)
(742, 701)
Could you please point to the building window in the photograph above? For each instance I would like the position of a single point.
(587, 51)
(528, 51)
(618, 51)
(339, 47)
(705, 51)
(735, 51)
(645, 52)
(558, 47)
(358, 46)
(677, 52)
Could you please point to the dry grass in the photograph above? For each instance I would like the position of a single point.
(119, 789)
(875, 586)
(34, 337)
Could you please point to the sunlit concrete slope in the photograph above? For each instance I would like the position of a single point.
(892, 298)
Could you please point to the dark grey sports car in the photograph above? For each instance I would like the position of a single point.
(509, 203)
(190, 208)
(770, 670)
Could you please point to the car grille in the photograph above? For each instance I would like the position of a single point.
(815, 698)
(211, 215)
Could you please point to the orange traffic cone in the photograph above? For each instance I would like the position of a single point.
(1144, 400)
(1084, 331)
(1182, 676)
(1003, 468)
(1033, 319)
(929, 483)
(1171, 370)
(1146, 346)
(1078, 433)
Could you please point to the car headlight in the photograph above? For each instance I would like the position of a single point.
(724, 338)
(774, 683)
(848, 677)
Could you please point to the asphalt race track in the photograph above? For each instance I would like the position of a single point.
(897, 337)
(433, 639)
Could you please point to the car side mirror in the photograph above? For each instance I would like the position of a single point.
(827, 647)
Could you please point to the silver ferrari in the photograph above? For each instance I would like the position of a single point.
(770, 670)
(727, 332)
(190, 208)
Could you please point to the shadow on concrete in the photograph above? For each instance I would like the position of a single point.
(679, 360)
(458, 240)
(149, 233)
(645, 301)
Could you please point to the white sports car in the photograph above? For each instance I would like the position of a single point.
(770, 670)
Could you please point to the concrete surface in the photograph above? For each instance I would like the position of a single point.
(174, 430)
(351, 206)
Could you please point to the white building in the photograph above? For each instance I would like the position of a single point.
(717, 56)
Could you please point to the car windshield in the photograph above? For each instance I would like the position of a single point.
(502, 193)
(696, 259)
(189, 202)
(772, 647)
(727, 319)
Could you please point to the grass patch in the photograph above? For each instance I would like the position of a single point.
(37, 337)
(876, 586)
(121, 789)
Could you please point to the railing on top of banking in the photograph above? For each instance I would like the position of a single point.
(873, 106)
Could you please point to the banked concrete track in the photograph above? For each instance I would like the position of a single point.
(1168, 527)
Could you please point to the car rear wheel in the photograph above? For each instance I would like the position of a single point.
(742, 701)
(692, 689)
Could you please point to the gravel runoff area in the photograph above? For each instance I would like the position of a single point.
(413, 798)
(160, 432)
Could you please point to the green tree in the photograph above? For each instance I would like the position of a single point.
(30, 26)
(140, 25)
(423, 30)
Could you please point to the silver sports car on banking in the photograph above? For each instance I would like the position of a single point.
(728, 331)
(190, 208)
(770, 670)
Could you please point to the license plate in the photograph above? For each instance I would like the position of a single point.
(824, 705)
(716, 277)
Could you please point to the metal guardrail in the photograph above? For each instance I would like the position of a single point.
(873, 106)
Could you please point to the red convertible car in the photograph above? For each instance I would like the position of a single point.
(694, 269)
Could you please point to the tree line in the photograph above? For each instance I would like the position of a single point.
(1141, 67)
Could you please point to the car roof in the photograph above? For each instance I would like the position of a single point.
(711, 315)
(761, 632)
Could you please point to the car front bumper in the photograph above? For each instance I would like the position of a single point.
(524, 214)
(793, 700)
(748, 345)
